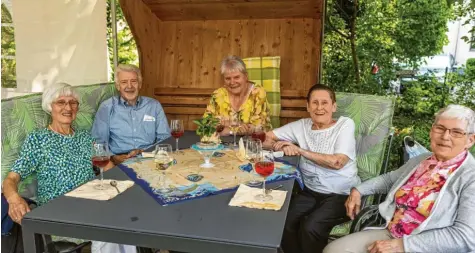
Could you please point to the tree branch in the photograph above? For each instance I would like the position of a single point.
(336, 29)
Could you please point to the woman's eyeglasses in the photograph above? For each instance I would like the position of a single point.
(73, 104)
(454, 132)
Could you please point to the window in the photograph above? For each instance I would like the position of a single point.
(8, 49)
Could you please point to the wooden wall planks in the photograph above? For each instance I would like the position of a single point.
(185, 55)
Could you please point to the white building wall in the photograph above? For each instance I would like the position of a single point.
(457, 46)
(58, 41)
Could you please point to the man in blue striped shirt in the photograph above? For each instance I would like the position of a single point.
(129, 122)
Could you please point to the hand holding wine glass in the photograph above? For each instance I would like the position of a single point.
(100, 158)
(177, 130)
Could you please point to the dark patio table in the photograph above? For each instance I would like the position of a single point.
(135, 218)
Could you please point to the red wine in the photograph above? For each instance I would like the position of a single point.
(265, 168)
(259, 135)
(219, 128)
(177, 134)
(100, 161)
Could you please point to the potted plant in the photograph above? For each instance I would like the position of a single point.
(207, 129)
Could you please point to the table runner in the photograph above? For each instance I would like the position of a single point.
(229, 172)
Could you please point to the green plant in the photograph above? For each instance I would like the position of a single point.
(206, 126)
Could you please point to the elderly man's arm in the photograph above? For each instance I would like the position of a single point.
(101, 127)
(162, 128)
(457, 238)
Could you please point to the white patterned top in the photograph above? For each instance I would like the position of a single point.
(337, 139)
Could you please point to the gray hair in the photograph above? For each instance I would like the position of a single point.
(55, 91)
(233, 63)
(127, 68)
(458, 112)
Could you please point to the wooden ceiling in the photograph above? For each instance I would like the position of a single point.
(168, 10)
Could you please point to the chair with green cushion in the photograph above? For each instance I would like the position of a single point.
(21, 115)
(373, 119)
(265, 72)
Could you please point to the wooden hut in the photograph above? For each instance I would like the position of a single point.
(182, 42)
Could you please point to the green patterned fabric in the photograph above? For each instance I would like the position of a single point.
(373, 119)
(22, 115)
(265, 71)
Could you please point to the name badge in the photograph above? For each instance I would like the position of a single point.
(148, 118)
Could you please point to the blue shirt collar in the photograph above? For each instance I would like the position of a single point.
(124, 102)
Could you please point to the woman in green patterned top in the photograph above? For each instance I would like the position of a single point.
(58, 154)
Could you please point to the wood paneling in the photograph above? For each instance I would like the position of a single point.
(235, 9)
(145, 27)
(180, 60)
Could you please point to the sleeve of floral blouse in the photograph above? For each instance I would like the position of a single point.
(263, 110)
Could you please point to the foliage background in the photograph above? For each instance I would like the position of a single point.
(395, 35)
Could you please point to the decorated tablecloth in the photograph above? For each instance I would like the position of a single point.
(179, 182)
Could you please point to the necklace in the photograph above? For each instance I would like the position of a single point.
(70, 131)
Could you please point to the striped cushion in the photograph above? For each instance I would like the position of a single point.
(265, 71)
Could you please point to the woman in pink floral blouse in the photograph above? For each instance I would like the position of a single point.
(430, 205)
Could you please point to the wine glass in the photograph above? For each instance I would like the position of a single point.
(264, 167)
(162, 161)
(253, 153)
(177, 129)
(234, 125)
(259, 133)
(100, 158)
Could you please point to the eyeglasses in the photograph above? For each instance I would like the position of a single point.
(72, 103)
(454, 132)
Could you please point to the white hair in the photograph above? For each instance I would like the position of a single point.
(55, 91)
(458, 112)
(233, 63)
(127, 68)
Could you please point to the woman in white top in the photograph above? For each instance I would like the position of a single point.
(327, 148)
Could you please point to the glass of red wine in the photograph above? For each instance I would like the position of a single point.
(177, 129)
(100, 158)
(259, 133)
(264, 167)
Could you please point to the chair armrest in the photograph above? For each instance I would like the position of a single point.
(369, 216)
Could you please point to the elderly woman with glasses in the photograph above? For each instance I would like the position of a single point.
(59, 154)
(239, 99)
(429, 205)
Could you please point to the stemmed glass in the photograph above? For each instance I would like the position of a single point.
(100, 158)
(253, 154)
(177, 129)
(264, 167)
(162, 161)
(234, 125)
(259, 133)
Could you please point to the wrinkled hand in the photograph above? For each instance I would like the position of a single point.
(387, 246)
(246, 129)
(118, 159)
(17, 208)
(279, 145)
(289, 148)
(353, 203)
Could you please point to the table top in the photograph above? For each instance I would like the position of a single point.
(209, 218)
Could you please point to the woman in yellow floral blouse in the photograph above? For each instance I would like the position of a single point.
(239, 98)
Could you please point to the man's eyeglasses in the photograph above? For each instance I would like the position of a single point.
(73, 104)
(454, 132)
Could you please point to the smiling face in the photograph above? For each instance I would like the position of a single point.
(129, 86)
(321, 107)
(64, 109)
(235, 82)
(443, 144)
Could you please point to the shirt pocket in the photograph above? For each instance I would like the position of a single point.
(148, 128)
